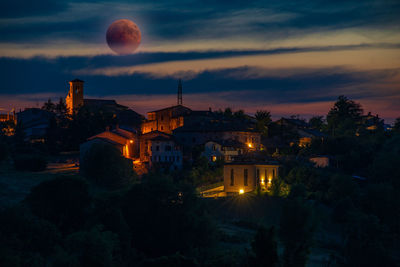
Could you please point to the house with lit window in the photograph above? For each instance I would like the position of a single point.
(159, 150)
(225, 150)
(200, 132)
(243, 177)
(125, 141)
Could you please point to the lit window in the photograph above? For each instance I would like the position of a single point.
(213, 158)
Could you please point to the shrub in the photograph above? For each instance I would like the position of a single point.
(63, 201)
(104, 165)
(34, 163)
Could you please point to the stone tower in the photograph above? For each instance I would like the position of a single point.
(74, 98)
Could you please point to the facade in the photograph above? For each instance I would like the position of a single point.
(225, 150)
(127, 142)
(192, 137)
(246, 176)
(159, 150)
(165, 120)
(74, 99)
(320, 161)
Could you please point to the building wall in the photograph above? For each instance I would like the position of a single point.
(74, 99)
(213, 150)
(320, 162)
(159, 152)
(130, 145)
(263, 174)
(197, 138)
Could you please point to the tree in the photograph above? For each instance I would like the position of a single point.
(317, 122)
(61, 107)
(265, 248)
(49, 106)
(104, 165)
(344, 117)
(93, 248)
(297, 226)
(177, 221)
(228, 112)
(263, 118)
(62, 201)
(396, 125)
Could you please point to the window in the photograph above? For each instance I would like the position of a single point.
(246, 175)
(168, 148)
(157, 148)
(258, 174)
(232, 178)
(162, 128)
(273, 173)
(166, 158)
(214, 148)
(162, 118)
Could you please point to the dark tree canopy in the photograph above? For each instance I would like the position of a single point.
(344, 116)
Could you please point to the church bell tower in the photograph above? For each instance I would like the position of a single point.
(74, 98)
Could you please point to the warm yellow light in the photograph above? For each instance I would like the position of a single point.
(262, 181)
(214, 158)
(250, 145)
(241, 191)
(269, 180)
(131, 141)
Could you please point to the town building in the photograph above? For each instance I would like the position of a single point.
(165, 120)
(159, 150)
(299, 131)
(243, 177)
(225, 150)
(200, 132)
(125, 141)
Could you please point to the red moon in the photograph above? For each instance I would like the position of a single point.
(123, 36)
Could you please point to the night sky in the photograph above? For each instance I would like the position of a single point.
(289, 57)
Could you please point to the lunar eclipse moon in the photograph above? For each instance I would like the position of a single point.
(123, 36)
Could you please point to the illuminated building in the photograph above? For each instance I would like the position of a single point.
(125, 141)
(247, 176)
(159, 150)
(225, 150)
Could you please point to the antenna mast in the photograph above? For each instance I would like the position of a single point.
(180, 92)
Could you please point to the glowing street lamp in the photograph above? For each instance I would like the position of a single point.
(241, 191)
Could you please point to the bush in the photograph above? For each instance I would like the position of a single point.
(63, 201)
(33, 163)
(104, 165)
